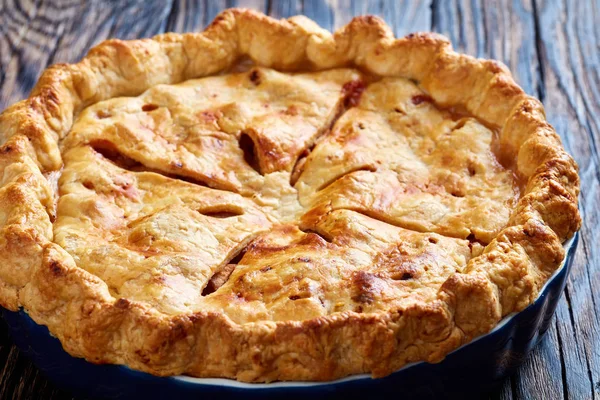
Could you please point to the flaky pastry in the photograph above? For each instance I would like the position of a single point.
(269, 201)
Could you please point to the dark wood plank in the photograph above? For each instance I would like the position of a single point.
(35, 44)
(74, 43)
(139, 18)
(284, 8)
(54, 35)
(14, 21)
(538, 378)
(404, 16)
(574, 364)
(505, 392)
(569, 39)
(19, 378)
(186, 16)
(411, 16)
(320, 12)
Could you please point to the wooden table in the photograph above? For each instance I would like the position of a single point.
(551, 46)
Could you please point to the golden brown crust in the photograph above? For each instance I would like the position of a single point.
(425, 168)
(79, 308)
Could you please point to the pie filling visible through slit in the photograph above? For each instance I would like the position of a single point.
(266, 225)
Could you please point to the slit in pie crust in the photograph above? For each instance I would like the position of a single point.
(335, 204)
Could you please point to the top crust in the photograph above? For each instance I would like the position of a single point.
(474, 288)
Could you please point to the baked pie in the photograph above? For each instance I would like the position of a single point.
(268, 201)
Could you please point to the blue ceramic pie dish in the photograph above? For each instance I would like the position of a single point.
(468, 371)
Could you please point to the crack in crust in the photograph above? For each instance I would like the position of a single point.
(81, 310)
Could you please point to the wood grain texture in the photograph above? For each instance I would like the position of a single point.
(186, 16)
(551, 46)
(36, 42)
(14, 19)
(569, 42)
(284, 8)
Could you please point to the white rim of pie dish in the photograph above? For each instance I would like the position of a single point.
(289, 384)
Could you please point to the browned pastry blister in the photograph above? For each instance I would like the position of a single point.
(347, 203)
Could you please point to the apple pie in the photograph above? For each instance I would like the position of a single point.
(268, 201)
